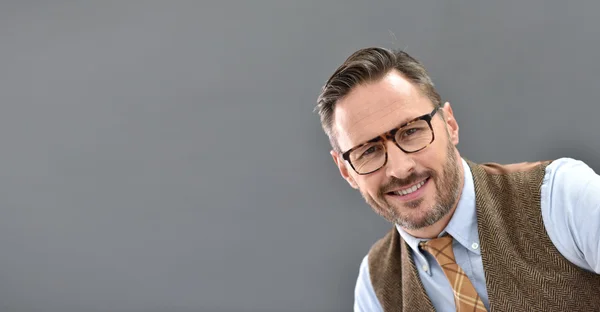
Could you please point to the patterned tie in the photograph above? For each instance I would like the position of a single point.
(465, 295)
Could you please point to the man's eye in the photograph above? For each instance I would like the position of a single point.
(409, 132)
(370, 150)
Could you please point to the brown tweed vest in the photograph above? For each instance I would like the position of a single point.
(523, 269)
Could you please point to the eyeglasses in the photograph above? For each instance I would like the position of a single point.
(410, 137)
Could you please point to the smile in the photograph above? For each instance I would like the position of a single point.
(409, 190)
(410, 193)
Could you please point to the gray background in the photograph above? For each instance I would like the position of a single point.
(164, 156)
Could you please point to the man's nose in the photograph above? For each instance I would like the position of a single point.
(399, 163)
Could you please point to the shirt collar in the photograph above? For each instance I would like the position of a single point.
(463, 224)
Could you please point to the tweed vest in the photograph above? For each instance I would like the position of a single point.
(523, 269)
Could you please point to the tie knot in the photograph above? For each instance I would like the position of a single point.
(440, 248)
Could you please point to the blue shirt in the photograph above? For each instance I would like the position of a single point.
(570, 205)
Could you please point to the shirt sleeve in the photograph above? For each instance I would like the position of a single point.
(365, 299)
(571, 211)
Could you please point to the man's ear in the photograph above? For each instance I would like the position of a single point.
(341, 164)
(451, 123)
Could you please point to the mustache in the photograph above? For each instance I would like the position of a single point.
(396, 183)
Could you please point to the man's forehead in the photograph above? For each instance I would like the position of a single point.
(371, 110)
(370, 120)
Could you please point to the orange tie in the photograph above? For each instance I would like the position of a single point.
(465, 295)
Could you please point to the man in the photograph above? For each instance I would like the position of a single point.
(466, 236)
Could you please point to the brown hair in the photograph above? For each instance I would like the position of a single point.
(368, 65)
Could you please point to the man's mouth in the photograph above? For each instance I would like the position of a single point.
(409, 189)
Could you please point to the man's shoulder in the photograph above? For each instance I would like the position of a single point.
(565, 181)
(497, 168)
(548, 165)
(568, 165)
(564, 174)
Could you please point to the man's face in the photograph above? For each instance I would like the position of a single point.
(372, 109)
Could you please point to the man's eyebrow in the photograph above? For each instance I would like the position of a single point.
(403, 121)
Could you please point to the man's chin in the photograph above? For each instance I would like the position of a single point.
(412, 224)
(417, 219)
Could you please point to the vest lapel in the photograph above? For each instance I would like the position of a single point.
(414, 296)
(394, 276)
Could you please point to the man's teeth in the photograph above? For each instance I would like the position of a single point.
(410, 189)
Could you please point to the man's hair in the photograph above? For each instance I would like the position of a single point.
(364, 66)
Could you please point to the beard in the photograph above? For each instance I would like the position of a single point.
(407, 216)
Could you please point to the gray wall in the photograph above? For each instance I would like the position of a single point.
(164, 156)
